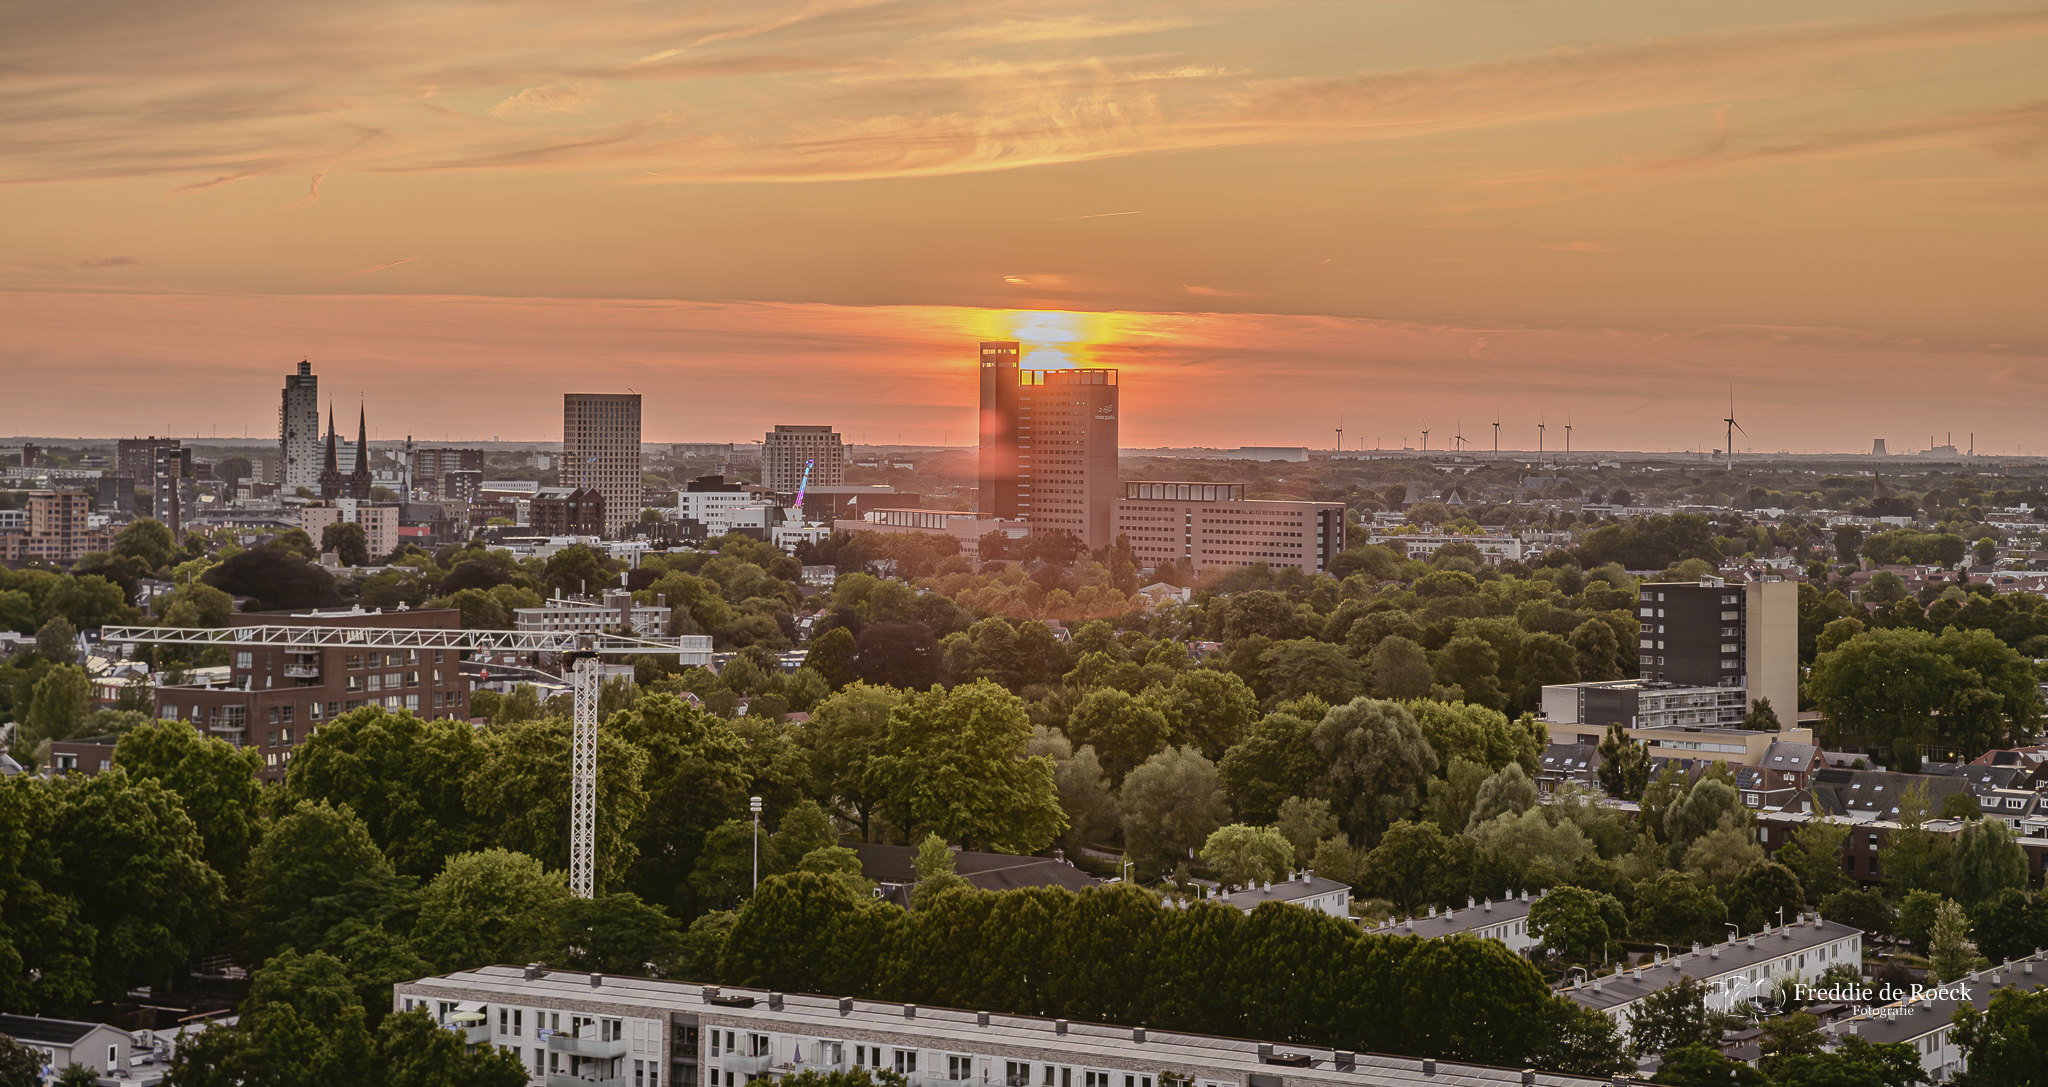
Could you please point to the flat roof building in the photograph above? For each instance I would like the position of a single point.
(601, 449)
(564, 1025)
(1211, 525)
(298, 431)
(788, 450)
(1048, 445)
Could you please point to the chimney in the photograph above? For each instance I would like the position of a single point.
(846, 1005)
(710, 993)
(981, 1019)
(1138, 1035)
(1428, 1067)
(1752, 941)
(534, 972)
(1265, 1052)
(909, 1011)
(1528, 1077)
(596, 980)
(1059, 1026)
(1489, 905)
(775, 1002)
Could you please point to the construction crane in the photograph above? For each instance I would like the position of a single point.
(580, 653)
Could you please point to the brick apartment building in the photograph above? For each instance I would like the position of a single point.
(567, 511)
(276, 696)
(57, 529)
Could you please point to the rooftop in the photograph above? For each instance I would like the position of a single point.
(825, 1016)
(1709, 963)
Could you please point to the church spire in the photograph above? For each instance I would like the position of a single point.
(359, 480)
(330, 474)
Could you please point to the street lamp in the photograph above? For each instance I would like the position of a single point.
(1123, 870)
(754, 805)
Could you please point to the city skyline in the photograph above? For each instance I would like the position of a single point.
(1400, 213)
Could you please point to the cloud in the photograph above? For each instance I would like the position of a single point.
(549, 101)
(109, 262)
(1217, 292)
(312, 197)
(1578, 247)
(371, 268)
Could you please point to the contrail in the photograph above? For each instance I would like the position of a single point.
(372, 268)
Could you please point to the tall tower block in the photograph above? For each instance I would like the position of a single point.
(1003, 493)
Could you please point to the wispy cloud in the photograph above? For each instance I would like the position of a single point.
(549, 101)
(312, 197)
(371, 268)
(1217, 292)
(1576, 247)
(109, 262)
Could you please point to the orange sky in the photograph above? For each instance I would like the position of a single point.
(1409, 213)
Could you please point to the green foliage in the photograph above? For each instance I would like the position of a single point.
(1949, 953)
(1243, 856)
(1987, 861)
(1624, 764)
(488, 907)
(934, 867)
(2007, 1042)
(1577, 922)
(214, 782)
(1699, 1064)
(1375, 763)
(953, 764)
(1673, 1017)
(391, 770)
(1170, 805)
(347, 542)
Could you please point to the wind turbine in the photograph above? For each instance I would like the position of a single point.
(1496, 435)
(1539, 442)
(1425, 441)
(1459, 439)
(1567, 437)
(1340, 433)
(1733, 426)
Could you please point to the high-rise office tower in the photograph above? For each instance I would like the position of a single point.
(1048, 445)
(1000, 483)
(298, 431)
(788, 450)
(601, 449)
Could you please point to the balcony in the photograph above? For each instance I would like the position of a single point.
(586, 1079)
(472, 1027)
(302, 670)
(561, 1042)
(752, 1066)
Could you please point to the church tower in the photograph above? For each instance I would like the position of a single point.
(330, 474)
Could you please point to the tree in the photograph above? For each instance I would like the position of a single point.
(1671, 1017)
(1461, 730)
(1170, 805)
(276, 580)
(1915, 859)
(1305, 823)
(846, 732)
(390, 769)
(1814, 854)
(1916, 917)
(317, 878)
(1293, 669)
(1084, 791)
(935, 872)
(1987, 861)
(1949, 953)
(1398, 668)
(1209, 709)
(1577, 923)
(519, 787)
(145, 540)
(20, 1066)
(1677, 910)
(62, 704)
(1762, 717)
(215, 783)
(2007, 1042)
(1581, 1041)
(1624, 769)
(57, 641)
(488, 907)
(346, 541)
(1416, 865)
(1765, 894)
(1509, 792)
(1451, 797)
(831, 656)
(1275, 760)
(1123, 729)
(954, 765)
(575, 569)
(898, 655)
(1856, 1064)
(1699, 1064)
(1375, 761)
(1245, 856)
(1863, 909)
(616, 934)
(2010, 925)
(804, 828)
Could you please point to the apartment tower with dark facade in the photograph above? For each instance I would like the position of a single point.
(1711, 633)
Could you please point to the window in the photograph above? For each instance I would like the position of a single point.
(639, 1074)
(1017, 1074)
(354, 660)
(358, 683)
(1137, 1081)
(958, 1067)
(1096, 1079)
(412, 679)
(906, 1062)
(611, 1030)
(504, 1021)
(757, 1045)
(394, 681)
(113, 1057)
(516, 1013)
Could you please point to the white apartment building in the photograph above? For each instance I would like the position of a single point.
(379, 521)
(1734, 971)
(1506, 921)
(788, 450)
(570, 1028)
(1495, 549)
